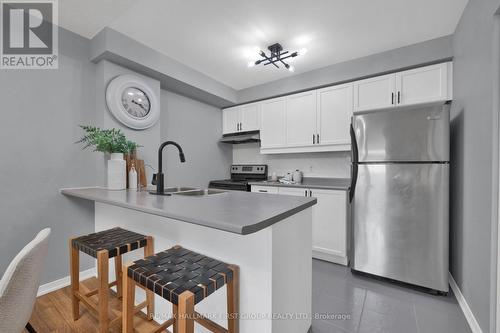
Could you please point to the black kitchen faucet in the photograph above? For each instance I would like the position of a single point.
(160, 187)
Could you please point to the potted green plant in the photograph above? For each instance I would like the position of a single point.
(113, 142)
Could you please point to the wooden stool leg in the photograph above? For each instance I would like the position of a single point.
(74, 271)
(186, 312)
(128, 302)
(149, 251)
(103, 278)
(233, 291)
(118, 275)
(175, 315)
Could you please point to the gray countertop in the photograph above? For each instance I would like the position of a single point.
(313, 182)
(237, 212)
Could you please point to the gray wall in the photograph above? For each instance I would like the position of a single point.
(432, 51)
(41, 110)
(325, 164)
(174, 76)
(473, 190)
(148, 139)
(197, 127)
(41, 113)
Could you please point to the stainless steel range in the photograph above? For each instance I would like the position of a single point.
(241, 174)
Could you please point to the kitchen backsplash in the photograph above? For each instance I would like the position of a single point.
(331, 164)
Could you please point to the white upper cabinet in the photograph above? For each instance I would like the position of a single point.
(231, 120)
(335, 106)
(242, 118)
(318, 120)
(424, 85)
(273, 123)
(250, 117)
(374, 93)
(301, 119)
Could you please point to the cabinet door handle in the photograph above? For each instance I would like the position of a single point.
(314, 139)
(265, 191)
(305, 193)
(399, 97)
(310, 193)
(392, 98)
(317, 138)
(237, 127)
(241, 126)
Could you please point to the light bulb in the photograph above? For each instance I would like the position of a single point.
(291, 68)
(302, 51)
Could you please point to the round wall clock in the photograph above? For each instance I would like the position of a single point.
(132, 102)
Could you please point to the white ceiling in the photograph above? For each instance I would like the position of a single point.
(219, 37)
(88, 17)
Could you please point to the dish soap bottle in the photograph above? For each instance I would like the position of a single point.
(132, 178)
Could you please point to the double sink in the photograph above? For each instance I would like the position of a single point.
(188, 191)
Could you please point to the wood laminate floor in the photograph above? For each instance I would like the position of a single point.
(52, 313)
(354, 303)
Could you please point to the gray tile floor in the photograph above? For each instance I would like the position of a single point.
(362, 304)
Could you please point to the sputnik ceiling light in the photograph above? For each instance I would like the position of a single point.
(277, 56)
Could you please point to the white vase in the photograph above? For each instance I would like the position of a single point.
(117, 172)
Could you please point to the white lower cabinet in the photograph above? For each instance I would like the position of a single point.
(265, 189)
(329, 229)
(297, 191)
(330, 225)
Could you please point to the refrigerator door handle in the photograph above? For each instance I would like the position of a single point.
(354, 180)
(355, 158)
(354, 146)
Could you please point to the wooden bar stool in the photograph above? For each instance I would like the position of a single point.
(184, 278)
(104, 245)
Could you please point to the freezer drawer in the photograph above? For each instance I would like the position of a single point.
(414, 134)
(400, 222)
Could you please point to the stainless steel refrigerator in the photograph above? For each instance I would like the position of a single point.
(400, 194)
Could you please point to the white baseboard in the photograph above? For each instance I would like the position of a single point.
(63, 282)
(469, 316)
(329, 257)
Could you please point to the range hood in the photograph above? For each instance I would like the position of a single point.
(244, 137)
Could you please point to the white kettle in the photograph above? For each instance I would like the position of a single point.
(297, 176)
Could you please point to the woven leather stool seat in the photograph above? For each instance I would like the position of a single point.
(103, 245)
(116, 241)
(169, 273)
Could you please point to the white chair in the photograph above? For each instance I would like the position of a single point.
(19, 285)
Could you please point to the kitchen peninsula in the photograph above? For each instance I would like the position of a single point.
(267, 236)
